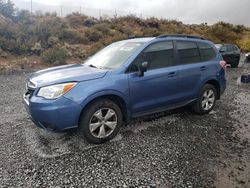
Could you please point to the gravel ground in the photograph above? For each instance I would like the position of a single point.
(170, 149)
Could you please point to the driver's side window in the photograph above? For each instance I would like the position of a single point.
(157, 55)
(223, 48)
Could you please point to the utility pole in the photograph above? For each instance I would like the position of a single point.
(61, 11)
(31, 6)
(31, 11)
(80, 10)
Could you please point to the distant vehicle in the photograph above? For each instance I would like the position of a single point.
(230, 53)
(248, 57)
(127, 79)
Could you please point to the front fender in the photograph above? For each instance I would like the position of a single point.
(103, 93)
(106, 93)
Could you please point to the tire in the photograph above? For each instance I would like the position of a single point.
(106, 119)
(200, 106)
(235, 64)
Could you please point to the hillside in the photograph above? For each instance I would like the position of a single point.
(75, 37)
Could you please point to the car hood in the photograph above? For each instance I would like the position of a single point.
(65, 73)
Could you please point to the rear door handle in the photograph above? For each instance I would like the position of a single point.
(203, 68)
(172, 74)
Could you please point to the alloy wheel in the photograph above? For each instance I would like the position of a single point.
(103, 122)
(208, 99)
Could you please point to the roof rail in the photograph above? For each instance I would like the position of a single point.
(181, 36)
(131, 36)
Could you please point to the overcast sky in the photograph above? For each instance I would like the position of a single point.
(188, 11)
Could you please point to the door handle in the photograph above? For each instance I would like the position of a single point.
(203, 68)
(172, 74)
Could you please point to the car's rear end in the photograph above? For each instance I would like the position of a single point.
(221, 74)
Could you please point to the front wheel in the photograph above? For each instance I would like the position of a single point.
(101, 121)
(206, 100)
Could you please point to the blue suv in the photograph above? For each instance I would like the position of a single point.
(127, 79)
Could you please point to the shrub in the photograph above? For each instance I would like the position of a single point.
(76, 19)
(54, 56)
(93, 35)
(245, 44)
(74, 37)
(7, 8)
(52, 41)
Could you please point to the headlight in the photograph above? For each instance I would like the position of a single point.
(55, 91)
(247, 55)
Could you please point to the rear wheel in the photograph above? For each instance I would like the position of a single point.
(101, 121)
(206, 100)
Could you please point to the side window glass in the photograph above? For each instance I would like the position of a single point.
(157, 55)
(207, 51)
(223, 49)
(188, 52)
(160, 55)
(229, 48)
(235, 48)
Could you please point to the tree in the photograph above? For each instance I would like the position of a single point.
(7, 8)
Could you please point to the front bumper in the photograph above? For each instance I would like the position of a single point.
(55, 115)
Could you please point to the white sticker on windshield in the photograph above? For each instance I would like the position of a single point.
(126, 48)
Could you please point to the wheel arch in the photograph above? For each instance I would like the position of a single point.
(113, 96)
(216, 84)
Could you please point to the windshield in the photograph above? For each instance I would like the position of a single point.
(113, 55)
(218, 46)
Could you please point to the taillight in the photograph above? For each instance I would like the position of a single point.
(223, 64)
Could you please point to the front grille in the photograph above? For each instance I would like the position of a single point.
(28, 94)
(29, 91)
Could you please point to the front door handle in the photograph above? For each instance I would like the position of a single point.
(203, 68)
(172, 74)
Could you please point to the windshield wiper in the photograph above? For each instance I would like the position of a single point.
(93, 66)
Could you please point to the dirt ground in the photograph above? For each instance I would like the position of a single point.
(171, 149)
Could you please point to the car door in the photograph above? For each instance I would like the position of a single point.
(158, 87)
(230, 53)
(191, 70)
(225, 53)
(236, 53)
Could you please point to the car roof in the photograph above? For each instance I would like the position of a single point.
(225, 44)
(151, 39)
(143, 39)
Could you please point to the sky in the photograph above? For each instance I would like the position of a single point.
(187, 11)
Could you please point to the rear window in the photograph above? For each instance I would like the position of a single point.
(207, 52)
(188, 52)
(230, 48)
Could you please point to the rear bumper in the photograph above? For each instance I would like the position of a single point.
(222, 90)
(223, 84)
(55, 115)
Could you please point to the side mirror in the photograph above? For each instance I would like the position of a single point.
(222, 50)
(143, 67)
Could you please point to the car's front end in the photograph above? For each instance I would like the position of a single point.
(49, 109)
(48, 97)
(247, 57)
